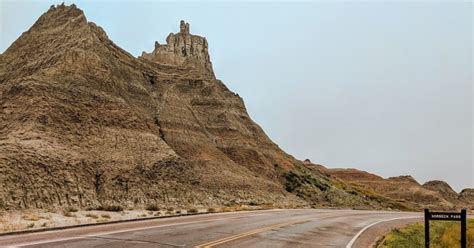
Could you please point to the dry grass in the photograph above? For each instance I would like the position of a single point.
(93, 216)
(152, 207)
(443, 234)
(71, 209)
(12, 227)
(66, 213)
(111, 208)
(211, 210)
(105, 216)
(193, 211)
(31, 217)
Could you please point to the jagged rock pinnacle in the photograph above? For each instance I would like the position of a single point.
(183, 49)
(184, 27)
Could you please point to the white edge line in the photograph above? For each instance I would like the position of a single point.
(349, 245)
(122, 231)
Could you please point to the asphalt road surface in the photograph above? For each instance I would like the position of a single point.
(264, 228)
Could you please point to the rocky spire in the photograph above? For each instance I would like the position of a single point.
(184, 27)
(183, 49)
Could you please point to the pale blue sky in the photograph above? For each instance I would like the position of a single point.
(379, 86)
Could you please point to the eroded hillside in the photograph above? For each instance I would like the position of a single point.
(86, 124)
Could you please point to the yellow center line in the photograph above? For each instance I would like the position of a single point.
(249, 233)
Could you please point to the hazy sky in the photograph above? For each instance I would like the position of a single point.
(384, 87)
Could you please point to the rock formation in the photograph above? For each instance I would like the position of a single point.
(84, 123)
(443, 188)
(467, 195)
(185, 50)
(404, 189)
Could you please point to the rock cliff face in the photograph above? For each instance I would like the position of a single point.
(185, 50)
(84, 123)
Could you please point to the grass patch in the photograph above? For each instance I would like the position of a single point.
(442, 234)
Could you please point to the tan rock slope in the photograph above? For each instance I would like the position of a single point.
(84, 123)
(406, 190)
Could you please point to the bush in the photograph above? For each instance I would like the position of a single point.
(112, 208)
(105, 216)
(170, 209)
(211, 210)
(152, 207)
(71, 209)
(93, 216)
(192, 211)
(66, 213)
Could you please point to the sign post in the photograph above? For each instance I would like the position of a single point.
(449, 216)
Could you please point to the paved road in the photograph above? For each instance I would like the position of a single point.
(265, 228)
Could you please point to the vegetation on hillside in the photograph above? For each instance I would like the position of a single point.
(443, 234)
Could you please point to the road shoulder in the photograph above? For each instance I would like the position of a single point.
(369, 237)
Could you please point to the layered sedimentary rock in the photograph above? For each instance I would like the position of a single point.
(84, 123)
(405, 189)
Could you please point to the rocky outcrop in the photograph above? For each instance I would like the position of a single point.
(467, 195)
(443, 188)
(185, 50)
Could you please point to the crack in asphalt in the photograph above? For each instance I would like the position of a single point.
(133, 240)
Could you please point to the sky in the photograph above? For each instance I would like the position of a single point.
(381, 86)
